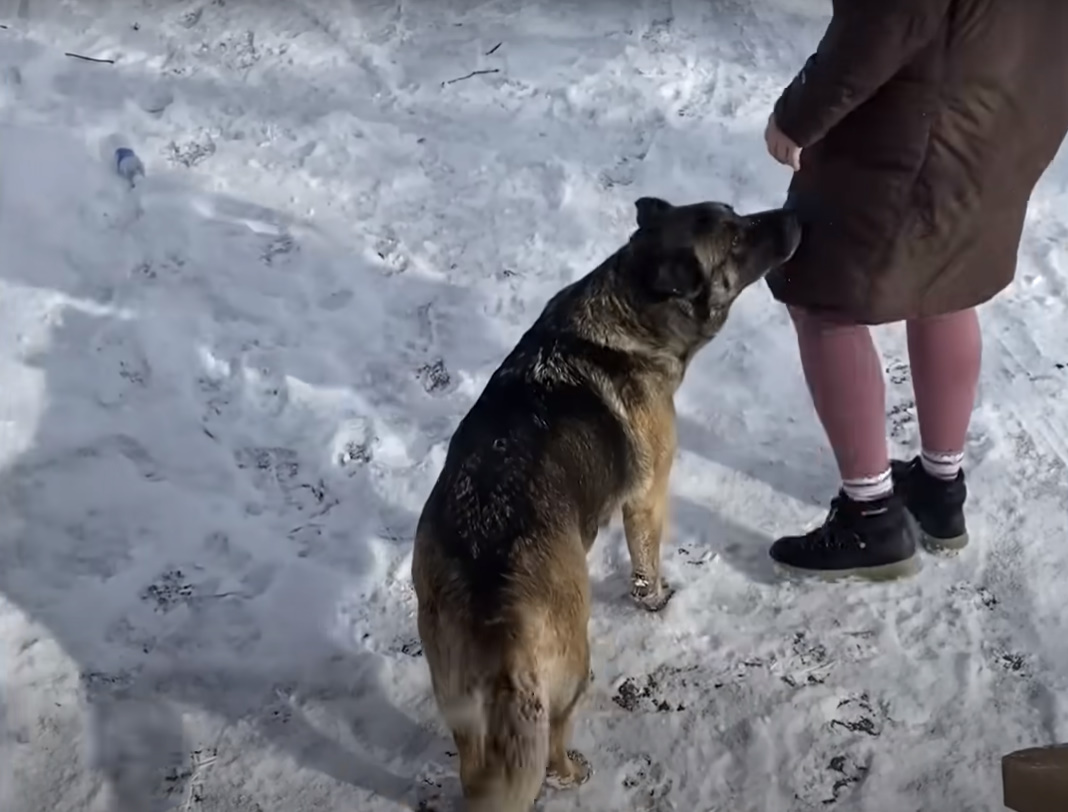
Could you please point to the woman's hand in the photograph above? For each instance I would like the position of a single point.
(780, 146)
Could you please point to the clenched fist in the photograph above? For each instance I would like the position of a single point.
(780, 146)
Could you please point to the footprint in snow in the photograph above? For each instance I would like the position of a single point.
(435, 377)
(354, 444)
(858, 714)
(899, 372)
(277, 473)
(388, 254)
(278, 249)
(902, 420)
(843, 772)
(648, 784)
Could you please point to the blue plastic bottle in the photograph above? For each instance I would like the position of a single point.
(128, 165)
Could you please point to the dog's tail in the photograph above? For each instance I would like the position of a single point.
(506, 759)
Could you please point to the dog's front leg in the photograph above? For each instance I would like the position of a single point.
(644, 517)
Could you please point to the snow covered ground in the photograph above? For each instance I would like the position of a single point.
(225, 393)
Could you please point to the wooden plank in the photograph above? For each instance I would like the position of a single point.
(1036, 779)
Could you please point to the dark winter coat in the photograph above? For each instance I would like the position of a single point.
(925, 125)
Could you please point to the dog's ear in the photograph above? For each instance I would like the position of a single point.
(650, 209)
(676, 277)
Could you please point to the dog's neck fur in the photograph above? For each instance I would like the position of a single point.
(616, 309)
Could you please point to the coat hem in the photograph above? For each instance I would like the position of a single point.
(874, 316)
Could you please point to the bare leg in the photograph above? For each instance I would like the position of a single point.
(945, 353)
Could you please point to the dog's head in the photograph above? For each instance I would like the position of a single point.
(687, 264)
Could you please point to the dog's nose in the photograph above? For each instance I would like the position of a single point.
(779, 229)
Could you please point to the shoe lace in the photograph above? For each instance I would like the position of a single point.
(837, 531)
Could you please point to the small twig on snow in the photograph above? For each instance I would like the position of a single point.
(493, 50)
(90, 58)
(468, 76)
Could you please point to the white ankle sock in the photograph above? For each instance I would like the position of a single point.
(942, 464)
(868, 489)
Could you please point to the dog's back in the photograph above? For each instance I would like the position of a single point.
(500, 560)
(538, 452)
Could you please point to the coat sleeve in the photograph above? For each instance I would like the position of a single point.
(866, 43)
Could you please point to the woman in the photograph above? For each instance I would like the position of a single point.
(917, 133)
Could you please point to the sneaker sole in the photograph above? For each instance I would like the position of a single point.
(950, 546)
(894, 571)
(933, 544)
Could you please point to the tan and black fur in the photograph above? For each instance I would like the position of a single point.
(576, 423)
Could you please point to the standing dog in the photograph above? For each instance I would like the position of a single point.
(578, 421)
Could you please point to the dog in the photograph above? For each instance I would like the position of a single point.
(577, 422)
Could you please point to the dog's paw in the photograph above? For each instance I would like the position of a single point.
(649, 598)
(576, 772)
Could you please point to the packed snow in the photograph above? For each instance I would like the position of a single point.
(226, 389)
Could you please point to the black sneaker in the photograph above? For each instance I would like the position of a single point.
(936, 504)
(874, 540)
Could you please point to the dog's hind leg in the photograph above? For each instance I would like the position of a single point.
(503, 769)
(644, 518)
(569, 768)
